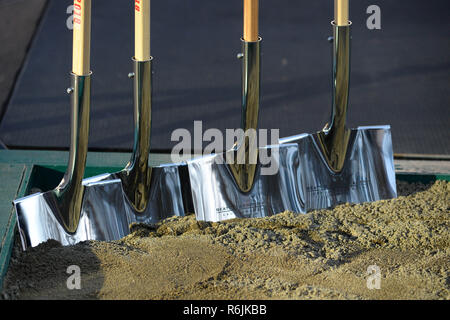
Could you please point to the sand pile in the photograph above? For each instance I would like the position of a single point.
(320, 255)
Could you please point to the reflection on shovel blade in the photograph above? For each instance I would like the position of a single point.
(165, 199)
(217, 197)
(38, 223)
(105, 214)
(368, 173)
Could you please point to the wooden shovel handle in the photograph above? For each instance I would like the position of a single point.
(81, 37)
(341, 12)
(251, 17)
(142, 30)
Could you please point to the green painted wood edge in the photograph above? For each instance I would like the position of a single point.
(88, 171)
(60, 158)
(8, 241)
(422, 178)
(47, 177)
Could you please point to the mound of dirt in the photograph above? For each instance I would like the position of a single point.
(325, 254)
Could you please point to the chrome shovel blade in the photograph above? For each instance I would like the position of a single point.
(165, 196)
(217, 197)
(37, 218)
(248, 188)
(106, 213)
(368, 173)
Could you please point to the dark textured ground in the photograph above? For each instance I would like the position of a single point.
(400, 74)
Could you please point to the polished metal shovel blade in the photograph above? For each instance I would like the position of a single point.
(106, 194)
(103, 207)
(368, 173)
(58, 214)
(105, 213)
(138, 192)
(339, 165)
(217, 196)
(38, 218)
(249, 188)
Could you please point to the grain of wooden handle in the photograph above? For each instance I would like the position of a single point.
(81, 37)
(341, 12)
(142, 30)
(251, 20)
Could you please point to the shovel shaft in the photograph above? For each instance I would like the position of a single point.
(244, 163)
(251, 84)
(136, 177)
(341, 77)
(69, 193)
(334, 137)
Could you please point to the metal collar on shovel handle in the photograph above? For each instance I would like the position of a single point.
(334, 138)
(66, 199)
(244, 171)
(136, 177)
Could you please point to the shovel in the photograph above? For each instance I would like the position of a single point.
(237, 183)
(102, 207)
(145, 194)
(339, 165)
(57, 214)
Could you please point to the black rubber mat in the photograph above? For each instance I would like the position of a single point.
(400, 74)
